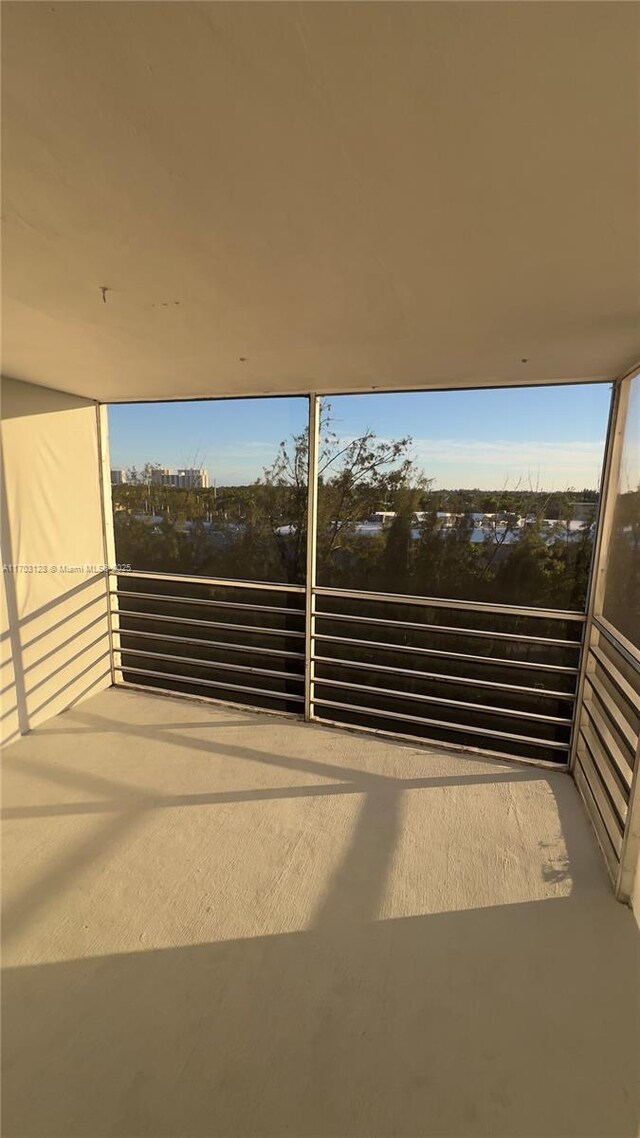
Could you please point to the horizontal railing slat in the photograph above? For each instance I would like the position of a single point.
(205, 602)
(630, 652)
(443, 602)
(594, 689)
(196, 680)
(193, 661)
(442, 653)
(447, 629)
(226, 582)
(622, 756)
(610, 854)
(599, 793)
(445, 725)
(248, 648)
(618, 793)
(615, 675)
(481, 708)
(443, 677)
(210, 624)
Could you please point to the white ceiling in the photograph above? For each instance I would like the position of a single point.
(284, 197)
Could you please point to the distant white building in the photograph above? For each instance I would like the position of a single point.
(118, 477)
(189, 478)
(481, 519)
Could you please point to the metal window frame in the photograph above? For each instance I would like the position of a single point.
(312, 591)
(106, 505)
(595, 590)
(313, 439)
(597, 761)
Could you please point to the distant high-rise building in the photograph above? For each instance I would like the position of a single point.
(118, 477)
(186, 479)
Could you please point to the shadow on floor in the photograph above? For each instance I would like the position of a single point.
(512, 1021)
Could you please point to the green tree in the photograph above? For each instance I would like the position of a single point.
(356, 478)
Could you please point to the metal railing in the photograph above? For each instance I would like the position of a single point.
(496, 677)
(236, 641)
(606, 740)
(500, 678)
(608, 734)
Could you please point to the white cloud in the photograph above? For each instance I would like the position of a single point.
(491, 463)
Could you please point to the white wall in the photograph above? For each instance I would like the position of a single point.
(54, 625)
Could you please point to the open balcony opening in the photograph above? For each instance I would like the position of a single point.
(431, 581)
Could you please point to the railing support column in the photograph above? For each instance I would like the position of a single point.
(597, 572)
(312, 534)
(109, 540)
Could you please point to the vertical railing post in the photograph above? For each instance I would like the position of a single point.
(597, 572)
(312, 534)
(109, 544)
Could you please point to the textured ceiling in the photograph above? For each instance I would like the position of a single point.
(216, 198)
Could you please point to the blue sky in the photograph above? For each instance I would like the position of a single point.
(546, 437)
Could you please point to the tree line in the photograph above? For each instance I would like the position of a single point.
(258, 531)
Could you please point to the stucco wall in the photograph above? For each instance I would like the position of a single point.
(55, 647)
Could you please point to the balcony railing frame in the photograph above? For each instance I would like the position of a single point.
(595, 590)
(310, 656)
(598, 759)
(591, 620)
(313, 595)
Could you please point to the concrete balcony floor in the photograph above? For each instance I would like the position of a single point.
(219, 923)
